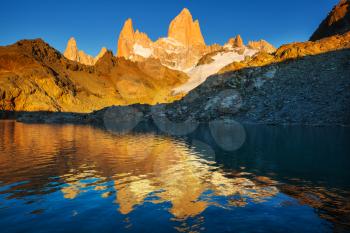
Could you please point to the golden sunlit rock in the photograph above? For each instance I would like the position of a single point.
(186, 31)
(73, 53)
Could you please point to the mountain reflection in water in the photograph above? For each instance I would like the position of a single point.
(286, 179)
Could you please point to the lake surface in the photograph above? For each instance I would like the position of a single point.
(72, 178)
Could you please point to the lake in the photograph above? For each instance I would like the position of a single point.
(81, 178)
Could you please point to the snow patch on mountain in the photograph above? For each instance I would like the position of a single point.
(172, 42)
(142, 51)
(200, 73)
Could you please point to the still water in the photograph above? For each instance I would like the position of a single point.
(71, 178)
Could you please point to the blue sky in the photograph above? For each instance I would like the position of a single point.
(97, 23)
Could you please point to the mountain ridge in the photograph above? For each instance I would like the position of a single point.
(336, 22)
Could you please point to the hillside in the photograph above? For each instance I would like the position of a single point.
(36, 77)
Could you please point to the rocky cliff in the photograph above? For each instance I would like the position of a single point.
(337, 22)
(186, 31)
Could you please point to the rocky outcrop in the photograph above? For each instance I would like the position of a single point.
(36, 77)
(74, 54)
(235, 42)
(337, 22)
(261, 45)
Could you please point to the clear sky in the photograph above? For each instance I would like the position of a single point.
(97, 23)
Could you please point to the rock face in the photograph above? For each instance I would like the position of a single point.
(337, 22)
(185, 30)
(261, 45)
(73, 53)
(126, 39)
(36, 77)
(133, 44)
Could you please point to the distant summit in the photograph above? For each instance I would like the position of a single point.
(73, 53)
(185, 30)
(337, 22)
(128, 38)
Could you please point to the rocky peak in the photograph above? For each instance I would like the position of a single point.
(183, 29)
(73, 53)
(128, 30)
(337, 22)
(126, 39)
(235, 42)
(238, 41)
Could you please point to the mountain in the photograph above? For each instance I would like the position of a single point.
(73, 53)
(337, 22)
(302, 83)
(181, 50)
(298, 83)
(36, 77)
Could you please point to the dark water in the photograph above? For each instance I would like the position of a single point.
(69, 178)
